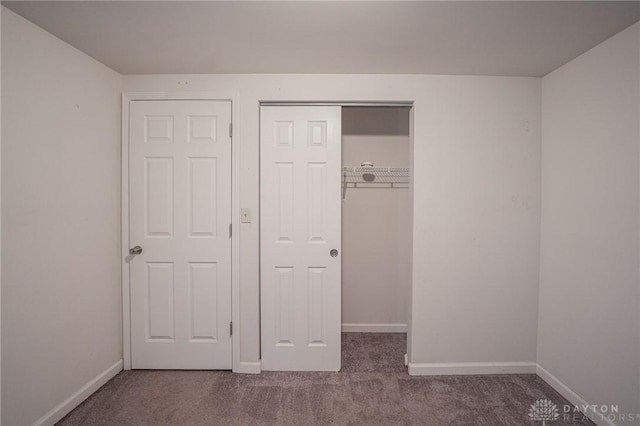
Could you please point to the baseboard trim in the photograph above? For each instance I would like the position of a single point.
(61, 410)
(575, 399)
(249, 368)
(471, 368)
(374, 328)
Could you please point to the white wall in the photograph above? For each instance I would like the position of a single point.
(476, 210)
(589, 283)
(61, 305)
(376, 224)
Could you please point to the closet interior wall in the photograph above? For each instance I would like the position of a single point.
(376, 223)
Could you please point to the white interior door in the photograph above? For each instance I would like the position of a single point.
(180, 215)
(300, 219)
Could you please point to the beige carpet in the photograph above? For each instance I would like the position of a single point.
(373, 388)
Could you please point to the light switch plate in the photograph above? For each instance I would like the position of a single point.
(245, 215)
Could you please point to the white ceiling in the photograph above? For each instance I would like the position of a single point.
(370, 37)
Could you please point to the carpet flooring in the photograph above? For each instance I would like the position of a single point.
(373, 388)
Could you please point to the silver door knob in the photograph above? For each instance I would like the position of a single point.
(136, 250)
(333, 252)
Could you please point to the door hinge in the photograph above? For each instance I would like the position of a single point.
(230, 130)
(230, 230)
(231, 328)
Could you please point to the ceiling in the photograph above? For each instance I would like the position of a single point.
(364, 37)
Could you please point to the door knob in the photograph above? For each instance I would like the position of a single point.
(333, 252)
(136, 250)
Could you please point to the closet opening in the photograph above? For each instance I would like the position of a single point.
(377, 205)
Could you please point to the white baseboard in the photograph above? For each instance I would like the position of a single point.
(471, 368)
(572, 397)
(61, 410)
(374, 328)
(249, 368)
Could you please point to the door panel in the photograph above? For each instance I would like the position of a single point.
(180, 211)
(300, 162)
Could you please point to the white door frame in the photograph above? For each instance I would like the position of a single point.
(411, 105)
(233, 97)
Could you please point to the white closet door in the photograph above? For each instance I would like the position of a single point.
(180, 211)
(300, 235)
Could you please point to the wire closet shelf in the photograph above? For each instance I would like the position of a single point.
(374, 177)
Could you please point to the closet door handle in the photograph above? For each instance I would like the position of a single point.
(333, 252)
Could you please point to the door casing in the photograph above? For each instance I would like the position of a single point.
(409, 104)
(128, 97)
